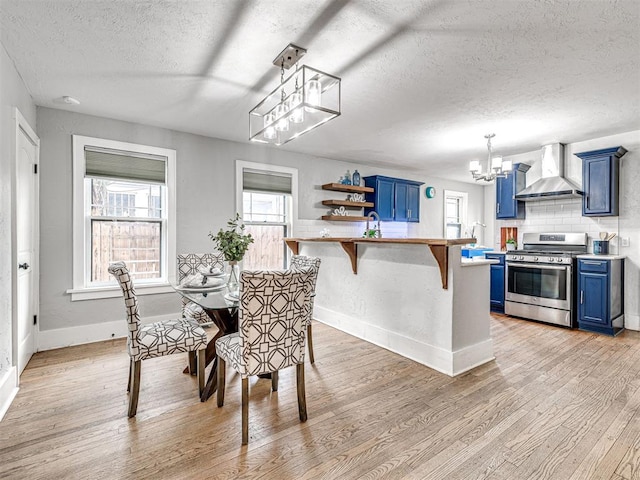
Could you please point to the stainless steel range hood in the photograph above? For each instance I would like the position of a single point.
(552, 185)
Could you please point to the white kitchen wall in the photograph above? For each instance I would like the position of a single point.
(566, 215)
(205, 200)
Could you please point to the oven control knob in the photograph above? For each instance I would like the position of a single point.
(521, 257)
(535, 259)
(551, 259)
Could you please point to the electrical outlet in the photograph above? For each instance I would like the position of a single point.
(624, 241)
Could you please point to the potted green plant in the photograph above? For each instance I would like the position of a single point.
(233, 244)
(511, 244)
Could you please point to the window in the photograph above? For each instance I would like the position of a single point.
(455, 213)
(267, 211)
(124, 210)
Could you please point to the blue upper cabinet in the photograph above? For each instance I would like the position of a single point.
(600, 179)
(394, 199)
(506, 188)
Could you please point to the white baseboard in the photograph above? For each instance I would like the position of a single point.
(97, 332)
(471, 357)
(8, 390)
(632, 322)
(444, 361)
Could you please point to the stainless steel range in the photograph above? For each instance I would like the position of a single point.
(540, 278)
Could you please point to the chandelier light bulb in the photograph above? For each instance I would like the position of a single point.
(270, 130)
(314, 94)
(281, 114)
(474, 166)
(297, 112)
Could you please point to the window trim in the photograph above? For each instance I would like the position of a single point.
(270, 168)
(81, 255)
(464, 200)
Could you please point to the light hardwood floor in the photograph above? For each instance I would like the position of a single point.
(555, 404)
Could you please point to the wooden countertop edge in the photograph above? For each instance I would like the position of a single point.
(411, 241)
(439, 248)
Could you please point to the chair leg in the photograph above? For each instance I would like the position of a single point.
(310, 343)
(221, 381)
(129, 379)
(274, 381)
(192, 362)
(245, 411)
(201, 365)
(135, 388)
(302, 400)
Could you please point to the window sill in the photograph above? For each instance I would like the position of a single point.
(79, 294)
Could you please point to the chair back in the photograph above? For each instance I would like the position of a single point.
(121, 273)
(272, 319)
(313, 263)
(189, 263)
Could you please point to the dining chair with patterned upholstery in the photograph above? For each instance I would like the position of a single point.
(271, 322)
(189, 264)
(302, 261)
(155, 339)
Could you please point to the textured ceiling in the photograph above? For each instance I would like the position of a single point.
(423, 81)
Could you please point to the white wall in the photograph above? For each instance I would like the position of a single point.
(13, 93)
(205, 200)
(566, 215)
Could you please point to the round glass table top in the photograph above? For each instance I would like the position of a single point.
(209, 297)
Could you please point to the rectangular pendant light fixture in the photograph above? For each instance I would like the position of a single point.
(305, 100)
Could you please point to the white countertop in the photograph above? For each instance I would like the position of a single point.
(475, 261)
(591, 256)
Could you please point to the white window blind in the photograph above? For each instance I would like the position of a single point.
(257, 181)
(118, 164)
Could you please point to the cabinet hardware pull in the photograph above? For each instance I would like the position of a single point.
(24, 265)
(591, 262)
(581, 297)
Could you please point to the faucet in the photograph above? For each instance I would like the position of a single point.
(372, 216)
(473, 229)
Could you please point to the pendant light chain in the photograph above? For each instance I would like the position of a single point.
(489, 137)
(282, 93)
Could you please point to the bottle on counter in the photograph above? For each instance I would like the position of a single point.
(355, 179)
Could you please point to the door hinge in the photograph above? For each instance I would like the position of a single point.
(35, 168)
(35, 319)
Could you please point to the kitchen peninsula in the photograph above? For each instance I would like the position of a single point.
(428, 304)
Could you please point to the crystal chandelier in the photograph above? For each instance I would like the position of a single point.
(496, 166)
(305, 100)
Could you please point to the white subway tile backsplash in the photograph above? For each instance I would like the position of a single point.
(561, 216)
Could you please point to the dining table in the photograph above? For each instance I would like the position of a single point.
(221, 306)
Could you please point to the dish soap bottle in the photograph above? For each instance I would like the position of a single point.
(355, 179)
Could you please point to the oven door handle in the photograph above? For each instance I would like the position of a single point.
(538, 265)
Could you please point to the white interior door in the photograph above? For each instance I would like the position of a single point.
(27, 146)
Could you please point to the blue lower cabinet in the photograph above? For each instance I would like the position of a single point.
(600, 295)
(497, 282)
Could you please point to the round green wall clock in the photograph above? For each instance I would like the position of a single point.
(430, 192)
